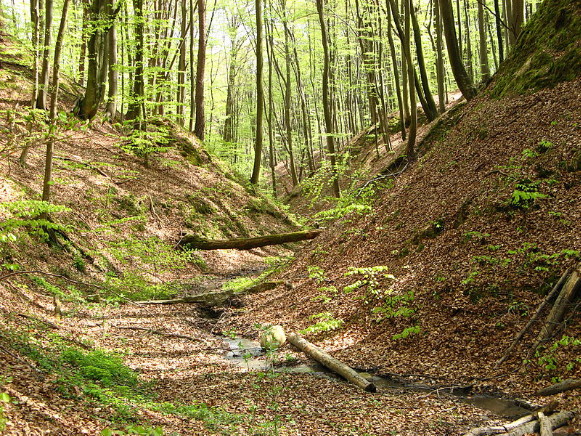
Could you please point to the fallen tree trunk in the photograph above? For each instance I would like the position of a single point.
(330, 362)
(557, 388)
(498, 429)
(546, 429)
(520, 335)
(557, 420)
(216, 298)
(198, 243)
(565, 298)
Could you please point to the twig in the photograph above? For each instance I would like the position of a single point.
(159, 332)
(520, 335)
(51, 275)
(43, 321)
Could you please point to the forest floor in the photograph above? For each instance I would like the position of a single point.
(471, 260)
(182, 350)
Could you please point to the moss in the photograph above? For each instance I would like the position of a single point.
(546, 53)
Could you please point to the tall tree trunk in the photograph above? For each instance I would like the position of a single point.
(192, 71)
(288, 98)
(515, 19)
(113, 75)
(201, 67)
(181, 94)
(43, 82)
(462, 78)
(327, 103)
(54, 104)
(439, 59)
(396, 73)
(35, 23)
(498, 31)
(83, 49)
(259, 95)
(483, 49)
(430, 106)
(136, 107)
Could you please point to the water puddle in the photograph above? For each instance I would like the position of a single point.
(249, 356)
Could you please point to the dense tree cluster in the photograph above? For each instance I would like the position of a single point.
(303, 76)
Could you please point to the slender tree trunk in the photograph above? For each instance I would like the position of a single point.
(43, 82)
(462, 78)
(498, 22)
(181, 94)
(201, 67)
(46, 185)
(83, 48)
(192, 71)
(516, 19)
(288, 98)
(430, 106)
(136, 107)
(35, 23)
(113, 75)
(483, 49)
(439, 59)
(327, 103)
(259, 95)
(469, 68)
(396, 73)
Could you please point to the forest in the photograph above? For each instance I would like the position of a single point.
(344, 217)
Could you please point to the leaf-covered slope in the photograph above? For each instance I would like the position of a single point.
(474, 233)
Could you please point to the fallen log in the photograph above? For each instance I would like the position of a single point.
(218, 297)
(528, 325)
(557, 420)
(330, 362)
(545, 425)
(565, 298)
(557, 388)
(498, 429)
(194, 242)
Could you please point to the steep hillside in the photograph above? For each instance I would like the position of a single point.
(126, 196)
(458, 251)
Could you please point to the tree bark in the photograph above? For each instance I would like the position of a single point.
(565, 298)
(43, 82)
(113, 75)
(458, 69)
(254, 178)
(53, 105)
(483, 49)
(196, 242)
(327, 103)
(200, 70)
(330, 362)
(557, 420)
(557, 388)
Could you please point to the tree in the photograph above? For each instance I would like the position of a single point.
(327, 103)
(201, 67)
(43, 81)
(462, 79)
(259, 94)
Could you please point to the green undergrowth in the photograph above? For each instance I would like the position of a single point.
(100, 380)
(241, 284)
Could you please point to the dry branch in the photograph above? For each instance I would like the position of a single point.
(520, 335)
(557, 420)
(565, 298)
(199, 243)
(160, 333)
(545, 425)
(557, 388)
(498, 429)
(330, 362)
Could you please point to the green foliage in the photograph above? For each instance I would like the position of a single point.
(144, 143)
(326, 322)
(316, 273)
(4, 398)
(214, 418)
(134, 430)
(548, 358)
(134, 287)
(370, 279)
(526, 194)
(107, 369)
(395, 305)
(25, 214)
(476, 236)
(408, 331)
(239, 284)
(536, 259)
